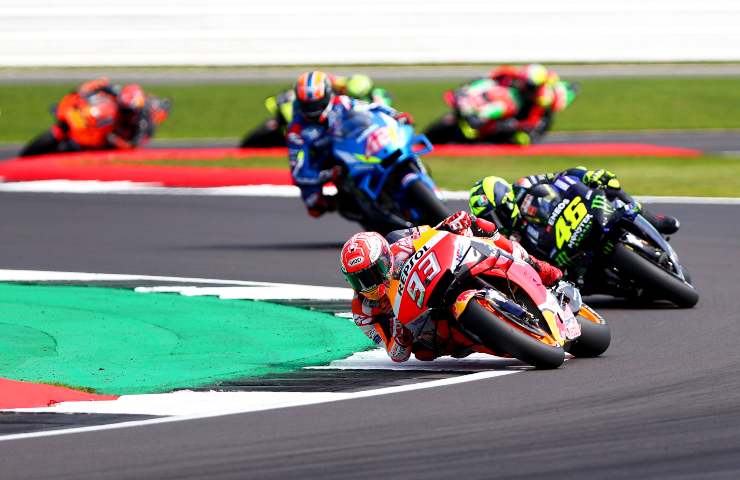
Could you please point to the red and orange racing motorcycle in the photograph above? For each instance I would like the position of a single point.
(463, 294)
(82, 123)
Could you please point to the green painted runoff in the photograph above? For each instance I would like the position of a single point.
(117, 341)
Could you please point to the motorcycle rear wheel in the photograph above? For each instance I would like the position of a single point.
(264, 136)
(503, 337)
(657, 283)
(444, 130)
(595, 335)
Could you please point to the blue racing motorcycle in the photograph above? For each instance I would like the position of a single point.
(384, 185)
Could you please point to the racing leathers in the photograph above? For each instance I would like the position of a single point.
(599, 179)
(515, 101)
(132, 129)
(375, 317)
(310, 150)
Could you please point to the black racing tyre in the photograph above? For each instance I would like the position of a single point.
(502, 337)
(444, 130)
(595, 335)
(422, 198)
(264, 136)
(657, 284)
(44, 143)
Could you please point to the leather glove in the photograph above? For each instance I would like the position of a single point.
(456, 223)
(405, 118)
(484, 228)
(602, 179)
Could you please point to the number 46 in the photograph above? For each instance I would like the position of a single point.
(569, 221)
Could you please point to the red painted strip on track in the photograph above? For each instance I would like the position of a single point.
(577, 149)
(146, 155)
(175, 176)
(15, 394)
(128, 165)
(566, 150)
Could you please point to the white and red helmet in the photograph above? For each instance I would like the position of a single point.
(313, 92)
(366, 264)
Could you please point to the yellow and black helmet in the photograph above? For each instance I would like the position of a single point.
(493, 199)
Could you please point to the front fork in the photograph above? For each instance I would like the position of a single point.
(498, 302)
(557, 329)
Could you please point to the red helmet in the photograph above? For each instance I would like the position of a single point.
(131, 98)
(313, 92)
(366, 264)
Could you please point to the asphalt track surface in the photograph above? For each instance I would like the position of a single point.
(664, 401)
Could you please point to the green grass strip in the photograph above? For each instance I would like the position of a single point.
(707, 176)
(230, 110)
(117, 341)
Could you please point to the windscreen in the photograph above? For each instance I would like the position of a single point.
(353, 124)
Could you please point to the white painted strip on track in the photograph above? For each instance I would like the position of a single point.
(297, 399)
(262, 290)
(186, 402)
(188, 405)
(377, 359)
(285, 191)
(275, 292)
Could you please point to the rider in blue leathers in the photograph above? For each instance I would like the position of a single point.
(309, 140)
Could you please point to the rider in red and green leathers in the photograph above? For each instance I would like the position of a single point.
(514, 100)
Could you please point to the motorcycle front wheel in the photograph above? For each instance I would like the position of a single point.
(503, 336)
(43, 143)
(444, 130)
(595, 335)
(423, 199)
(655, 282)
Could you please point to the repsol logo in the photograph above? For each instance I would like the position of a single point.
(409, 265)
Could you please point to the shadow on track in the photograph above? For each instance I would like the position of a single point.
(602, 302)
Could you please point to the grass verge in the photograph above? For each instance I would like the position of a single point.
(710, 175)
(230, 110)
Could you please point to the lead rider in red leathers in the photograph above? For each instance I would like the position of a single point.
(369, 262)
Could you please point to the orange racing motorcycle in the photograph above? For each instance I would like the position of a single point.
(464, 294)
(94, 122)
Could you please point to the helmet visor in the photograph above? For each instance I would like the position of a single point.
(313, 109)
(369, 278)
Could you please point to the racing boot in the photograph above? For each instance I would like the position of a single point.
(664, 224)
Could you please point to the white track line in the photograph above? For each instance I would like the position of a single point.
(284, 191)
(300, 400)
